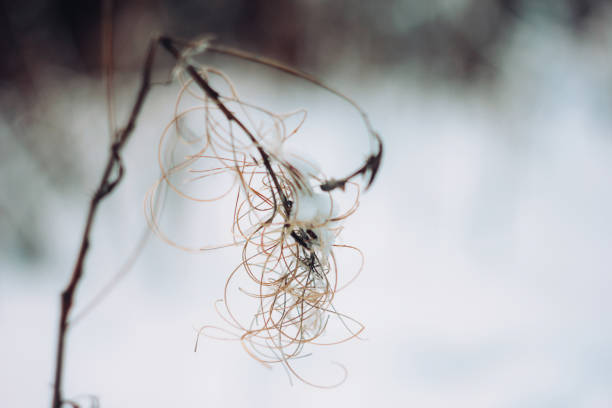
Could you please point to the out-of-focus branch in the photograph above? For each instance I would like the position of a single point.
(113, 173)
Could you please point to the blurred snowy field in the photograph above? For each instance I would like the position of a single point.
(488, 242)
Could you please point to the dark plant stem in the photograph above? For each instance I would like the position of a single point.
(168, 44)
(113, 173)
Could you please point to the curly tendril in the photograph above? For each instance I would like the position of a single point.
(285, 218)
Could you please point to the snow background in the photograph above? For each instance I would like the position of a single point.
(487, 235)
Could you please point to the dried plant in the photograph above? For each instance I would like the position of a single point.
(285, 217)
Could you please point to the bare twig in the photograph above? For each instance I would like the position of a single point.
(112, 175)
(373, 161)
(168, 44)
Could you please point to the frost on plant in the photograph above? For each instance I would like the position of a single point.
(285, 218)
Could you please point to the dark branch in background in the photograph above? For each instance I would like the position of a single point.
(113, 173)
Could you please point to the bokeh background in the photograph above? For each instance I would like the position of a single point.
(488, 234)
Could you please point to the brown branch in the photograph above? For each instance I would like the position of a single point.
(168, 44)
(373, 161)
(372, 164)
(107, 184)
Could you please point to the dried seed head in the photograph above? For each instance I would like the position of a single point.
(285, 227)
